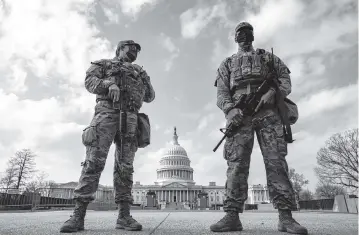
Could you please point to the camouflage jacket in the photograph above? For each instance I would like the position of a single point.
(104, 73)
(243, 68)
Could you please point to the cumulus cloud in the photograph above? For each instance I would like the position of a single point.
(304, 28)
(43, 39)
(270, 18)
(16, 79)
(196, 19)
(129, 8)
(112, 16)
(168, 44)
(133, 7)
(40, 40)
(326, 100)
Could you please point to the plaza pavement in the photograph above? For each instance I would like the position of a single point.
(175, 222)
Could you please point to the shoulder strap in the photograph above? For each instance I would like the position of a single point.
(284, 117)
(281, 107)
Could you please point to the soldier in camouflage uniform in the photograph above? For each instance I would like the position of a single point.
(242, 73)
(102, 79)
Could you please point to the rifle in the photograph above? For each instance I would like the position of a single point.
(248, 103)
(118, 76)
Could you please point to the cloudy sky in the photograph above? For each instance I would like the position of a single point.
(47, 45)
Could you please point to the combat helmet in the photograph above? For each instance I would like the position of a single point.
(247, 28)
(127, 42)
(243, 25)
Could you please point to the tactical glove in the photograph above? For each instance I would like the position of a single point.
(235, 115)
(114, 92)
(267, 98)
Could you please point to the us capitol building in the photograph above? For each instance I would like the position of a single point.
(174, 187)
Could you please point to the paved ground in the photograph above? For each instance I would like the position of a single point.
(173, 223)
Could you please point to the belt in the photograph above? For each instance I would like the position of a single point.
(111, 104)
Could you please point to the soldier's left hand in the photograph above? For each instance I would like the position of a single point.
(114, 92)
(267, 98)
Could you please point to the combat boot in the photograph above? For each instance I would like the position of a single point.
(77, 219)
(230, 222)
(288, 224)
(125, 220)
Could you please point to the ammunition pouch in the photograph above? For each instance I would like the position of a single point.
(143, 130)
(292, 111)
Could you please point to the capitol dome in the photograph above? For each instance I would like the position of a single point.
(175, 166)
(176, 149)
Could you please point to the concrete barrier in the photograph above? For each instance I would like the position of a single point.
(340, 204)
(352, 205)
(345, 204)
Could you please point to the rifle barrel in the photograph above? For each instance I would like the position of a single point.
(219, 143)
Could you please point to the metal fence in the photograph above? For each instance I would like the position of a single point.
(19, 199)
(321, 204)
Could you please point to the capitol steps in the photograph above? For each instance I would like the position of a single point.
(174, 206)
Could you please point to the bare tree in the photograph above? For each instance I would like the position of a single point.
(297, 180)
(306, 195)
(49, 186)
(326, 190)
(39, 184)
(24, 161)
(338, 160)
(9, 179)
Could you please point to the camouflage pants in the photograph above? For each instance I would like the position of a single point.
(98, 138)
(237, 152)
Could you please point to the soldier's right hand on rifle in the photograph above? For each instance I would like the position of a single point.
(235, 115)
(114, 93)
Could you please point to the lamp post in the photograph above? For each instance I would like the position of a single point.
(215, 200)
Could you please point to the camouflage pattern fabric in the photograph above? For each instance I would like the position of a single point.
(236, 75)
(104, 127)
(99, 77)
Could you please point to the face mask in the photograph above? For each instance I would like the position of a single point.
(132, 53)
(132, 57)
(244, 35)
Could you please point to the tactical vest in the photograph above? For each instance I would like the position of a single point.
(247, 72)
(132, 84)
